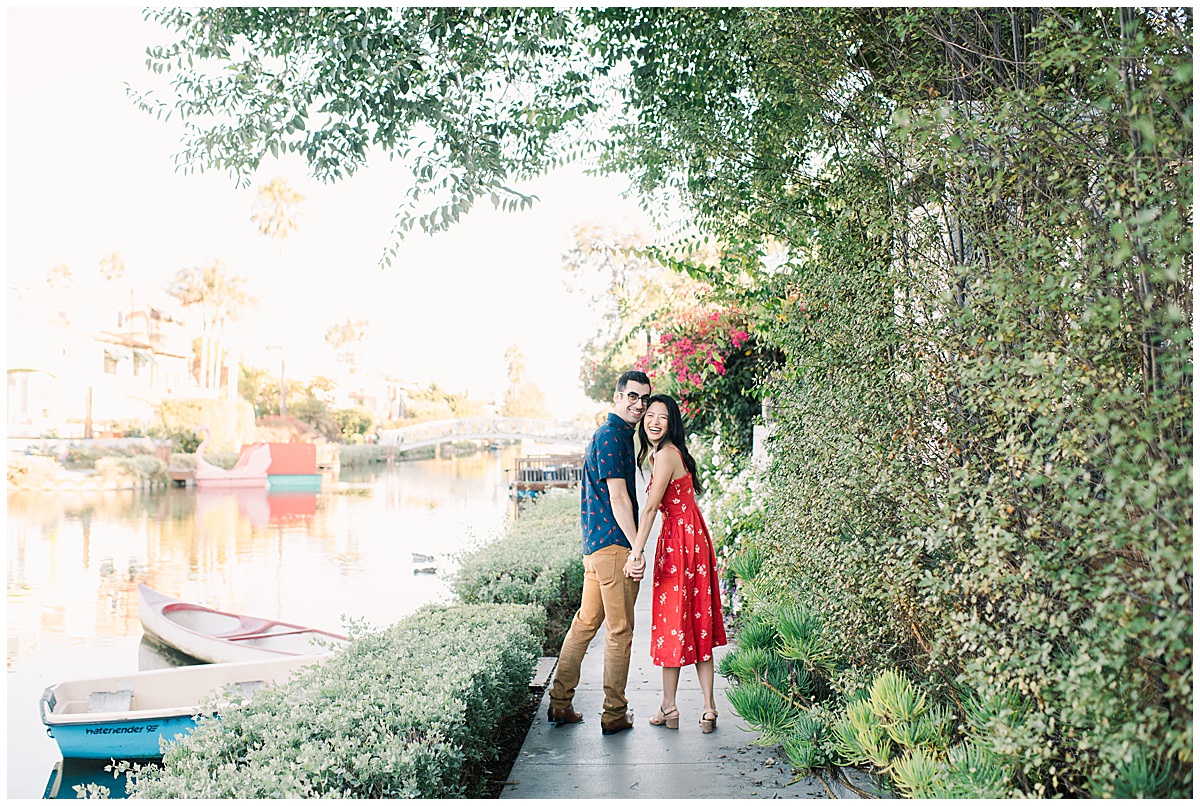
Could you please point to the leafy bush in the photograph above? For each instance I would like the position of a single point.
(32, 471)
(355, 423)
(228, 420)
(982, 458)
(355, 455)
(132, 469)
(435, 403)
(808, 747)
(537, 562)
(733, 507)
(784, 667)
(766, 708)
(411, 711)
(1143, 775)
(273, 428)
(133, 427)
(316, 414)
(85, 458)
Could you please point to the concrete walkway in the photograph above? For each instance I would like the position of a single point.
(577, 761)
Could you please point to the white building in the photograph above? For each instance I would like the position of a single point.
(78, 362)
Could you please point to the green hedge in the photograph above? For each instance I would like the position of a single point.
(407, 712)
(538, 562)
(132, 468)
(354, 455)
(81, 458)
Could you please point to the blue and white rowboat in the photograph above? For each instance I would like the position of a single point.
(125, 716)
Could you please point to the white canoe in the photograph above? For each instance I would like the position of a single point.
(125, 716)
(219, 637)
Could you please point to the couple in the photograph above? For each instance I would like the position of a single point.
(687, 622)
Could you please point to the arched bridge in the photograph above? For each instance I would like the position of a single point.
(438, 431)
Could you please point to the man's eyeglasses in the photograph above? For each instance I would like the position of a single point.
(634, 397)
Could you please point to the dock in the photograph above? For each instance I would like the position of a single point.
(535, 474)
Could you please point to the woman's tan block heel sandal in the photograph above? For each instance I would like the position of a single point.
(670, 719)
(706, 724)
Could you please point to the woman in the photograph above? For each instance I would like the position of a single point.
(687, 621)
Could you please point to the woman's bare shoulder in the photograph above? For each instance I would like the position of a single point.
(672, 458)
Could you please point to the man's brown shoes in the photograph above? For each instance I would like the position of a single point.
(563, 716)
(616, 726)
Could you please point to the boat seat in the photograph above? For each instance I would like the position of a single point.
(260, 635)
(239, 693)
(250, 625)
(247, 687)
(107, 702)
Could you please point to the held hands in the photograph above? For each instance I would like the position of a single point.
(635, 567)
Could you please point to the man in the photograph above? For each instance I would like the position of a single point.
(609, 512)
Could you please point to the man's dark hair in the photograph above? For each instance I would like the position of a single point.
(632, 375)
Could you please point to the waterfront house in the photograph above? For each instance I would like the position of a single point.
(81, 361)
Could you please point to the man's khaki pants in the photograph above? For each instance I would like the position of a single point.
(608, 595)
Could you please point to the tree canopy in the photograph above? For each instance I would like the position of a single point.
(472, 98)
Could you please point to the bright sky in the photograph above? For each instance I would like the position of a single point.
(89, 174)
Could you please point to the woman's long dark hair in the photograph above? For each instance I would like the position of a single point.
(675, 435)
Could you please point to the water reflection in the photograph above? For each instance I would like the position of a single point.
(69, 773)
(75, 561)
(153, 655)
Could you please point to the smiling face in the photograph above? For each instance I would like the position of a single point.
(630, 403)
(655, 422)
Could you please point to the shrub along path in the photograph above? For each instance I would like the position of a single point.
(576, 761)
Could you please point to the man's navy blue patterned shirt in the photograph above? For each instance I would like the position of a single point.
(609, 456)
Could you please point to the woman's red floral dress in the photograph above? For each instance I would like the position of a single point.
(687, 622)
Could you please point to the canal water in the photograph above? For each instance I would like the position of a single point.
(352, 550)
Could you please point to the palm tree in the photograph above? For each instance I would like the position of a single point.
(275, 210)
(346, 339)
(276, 214)
(59, 276)
(112, 267)
(522, 398)
(221, 297)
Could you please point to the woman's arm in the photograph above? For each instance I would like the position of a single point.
(622, 507)
(666, 465)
